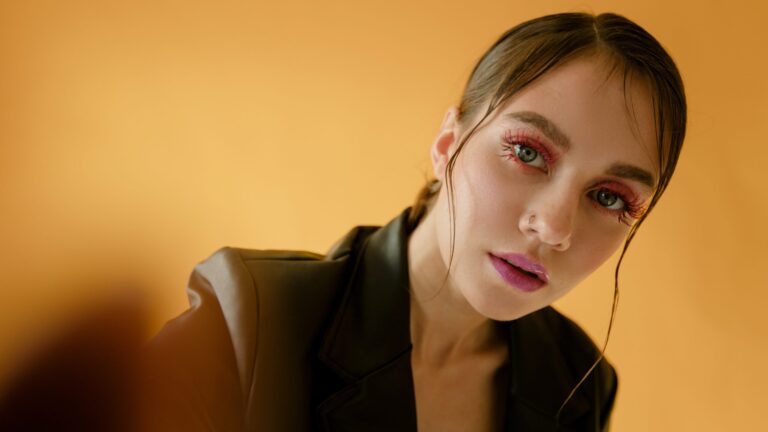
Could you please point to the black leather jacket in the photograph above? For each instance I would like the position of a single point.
(296, 341)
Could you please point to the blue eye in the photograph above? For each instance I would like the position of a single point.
(525, 153)
(527, 150)
(529, 156)
(609, 199)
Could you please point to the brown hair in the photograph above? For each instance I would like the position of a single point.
(530, 49)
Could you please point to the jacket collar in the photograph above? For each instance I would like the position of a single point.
(368, 344)
(541, 377)
(371, 326)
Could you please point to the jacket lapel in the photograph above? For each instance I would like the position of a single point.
(368, 343)
(540, 376)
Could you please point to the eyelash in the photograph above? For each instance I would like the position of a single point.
(632, 210)
(522, 138)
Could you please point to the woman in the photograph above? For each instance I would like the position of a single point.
(566, 136)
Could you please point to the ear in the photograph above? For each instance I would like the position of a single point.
(445, 142)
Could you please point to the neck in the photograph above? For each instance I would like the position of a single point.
(444, 325)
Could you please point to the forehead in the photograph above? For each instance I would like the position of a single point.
(597, 108)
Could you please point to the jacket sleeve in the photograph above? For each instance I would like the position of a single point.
(197, 367)
(609, 386)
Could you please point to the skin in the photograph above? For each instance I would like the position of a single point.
(496, 193)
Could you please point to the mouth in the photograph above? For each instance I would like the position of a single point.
(520, 272)
(531, 274)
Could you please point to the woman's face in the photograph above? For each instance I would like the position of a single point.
(546, 189)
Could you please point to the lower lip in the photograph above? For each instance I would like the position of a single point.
(516, 277)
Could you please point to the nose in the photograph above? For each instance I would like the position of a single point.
(550, 219)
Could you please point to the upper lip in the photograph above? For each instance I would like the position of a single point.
(526, 263)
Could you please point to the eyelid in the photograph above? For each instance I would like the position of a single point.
(633, 202)
(535, 141)
(626, 192)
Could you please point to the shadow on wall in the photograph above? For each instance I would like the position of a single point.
(86, 378)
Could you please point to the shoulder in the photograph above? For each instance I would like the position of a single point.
(577, 347)
(242, 261)
(234, 270)
(568, 334)
(244, 304)
(251, 285)
(555, 343)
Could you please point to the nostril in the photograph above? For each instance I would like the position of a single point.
(551, 229)
(563, 245)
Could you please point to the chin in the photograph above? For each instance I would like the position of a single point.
(498, 309)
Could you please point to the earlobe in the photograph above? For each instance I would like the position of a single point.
(445, 142)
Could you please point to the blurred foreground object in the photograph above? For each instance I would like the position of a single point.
(86, 378)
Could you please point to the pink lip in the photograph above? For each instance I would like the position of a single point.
(513, 275)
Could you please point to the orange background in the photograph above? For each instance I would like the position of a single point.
(138, 137)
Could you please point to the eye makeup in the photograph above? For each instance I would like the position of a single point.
(632, 205)
(526, 138)
(632, 208)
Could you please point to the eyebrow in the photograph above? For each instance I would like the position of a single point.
(545, 126)
(631, 172)
(557, 136)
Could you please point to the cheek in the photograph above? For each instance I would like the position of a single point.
(488, 191)
(595, 247)
(442, 224)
